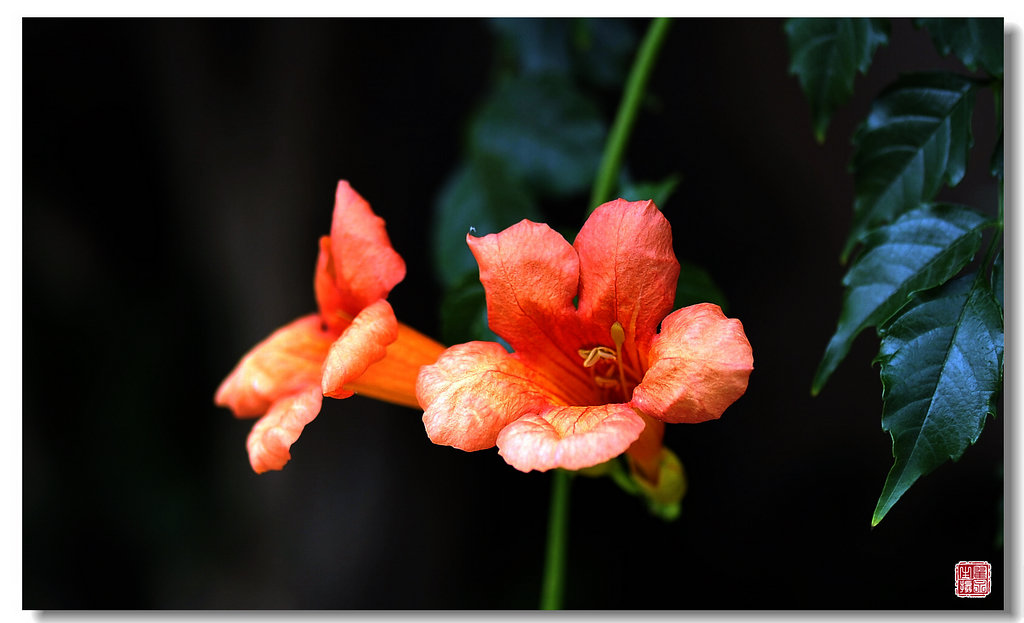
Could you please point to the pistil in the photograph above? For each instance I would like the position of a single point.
(618, 338)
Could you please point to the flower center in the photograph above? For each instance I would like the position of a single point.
(609, 369)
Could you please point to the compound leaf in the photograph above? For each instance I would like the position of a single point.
(977, 42)
(916, 137)
(941, 369)
(826, 54)
(922, 249)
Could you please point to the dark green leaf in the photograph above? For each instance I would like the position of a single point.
(535, 46)
(922, 249)
(547, 134)
(916, 137)
(480, 196)
(997, 278)
(595, 51)
(603, 50)
(977, 42)
(641, 191)
(942, 369)
(996, 168)
(695, 285)
(464, 312)
(826, 54)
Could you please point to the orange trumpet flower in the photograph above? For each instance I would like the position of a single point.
(353, 345)
(590, 375)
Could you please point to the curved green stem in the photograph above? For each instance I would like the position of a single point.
(604, 185)
(558, 523)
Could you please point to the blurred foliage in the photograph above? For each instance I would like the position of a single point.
(546, 132)
(482, 197)
(640, 191)
(977, 42)
(696, 286)
(941, 340)
(534, 141)
(826, 55)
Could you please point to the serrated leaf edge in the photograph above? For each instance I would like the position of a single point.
(820, 377)
(884, 505)
(860, 230)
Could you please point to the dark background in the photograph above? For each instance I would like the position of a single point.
(177, 175)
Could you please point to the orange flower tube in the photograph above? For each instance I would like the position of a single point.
(353, 344)
(589, 381)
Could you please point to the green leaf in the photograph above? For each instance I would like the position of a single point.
(595, 51)
(916, 137)
(480, 196)
(941, 368)
(826, 54)
(977, 42)
(547, 134)
(996, 167)
(641, 191)
(997, 278)
(464, 312)
(695, 285)
(603, 50)
(922, 249)
(535, 46)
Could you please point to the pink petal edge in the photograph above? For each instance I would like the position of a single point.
(569, 437)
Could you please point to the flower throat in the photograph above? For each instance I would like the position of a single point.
(608, 368)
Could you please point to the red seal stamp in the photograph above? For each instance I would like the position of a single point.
(973, 579)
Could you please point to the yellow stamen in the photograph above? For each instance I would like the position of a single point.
(592, 355)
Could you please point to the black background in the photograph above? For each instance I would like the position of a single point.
(177, 175)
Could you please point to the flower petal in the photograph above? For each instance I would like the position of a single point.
(628, 271)
(361, 344)
(699, 365)
(273, 434)
(531, 276)
(365, 266)
(569, 437)
(473, 391)
(288, 360)
(393, 378)
(331, 300)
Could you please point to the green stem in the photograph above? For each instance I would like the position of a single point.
(554, 562)
(604, 185)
